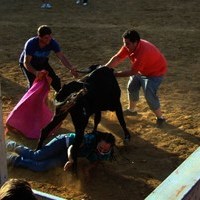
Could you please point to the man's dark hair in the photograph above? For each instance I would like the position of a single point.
(15, 189)
(132, 35)
(44, 30)
(107, 137)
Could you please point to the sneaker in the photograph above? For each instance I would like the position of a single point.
(11, 158)
(43, 5)
(11, 145)
(48, 6)
(129, 112)
(160, 122)
(78, 2)
(84, 4)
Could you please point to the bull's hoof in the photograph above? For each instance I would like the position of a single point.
(127, 138)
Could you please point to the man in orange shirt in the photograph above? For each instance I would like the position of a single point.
(148, 66)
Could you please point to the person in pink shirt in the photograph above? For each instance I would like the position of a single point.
(148, 67)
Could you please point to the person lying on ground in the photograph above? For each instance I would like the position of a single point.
(96, 146)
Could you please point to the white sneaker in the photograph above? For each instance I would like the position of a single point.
(43, 5)
(78, 2)
(85, 4)
(48, 5)
(11, 145)
(11, 158)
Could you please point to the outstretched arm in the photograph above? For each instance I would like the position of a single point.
(67, 64)
(113, 62)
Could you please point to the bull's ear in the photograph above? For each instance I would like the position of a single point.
(93, 67)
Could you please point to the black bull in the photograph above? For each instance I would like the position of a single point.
(98, 91)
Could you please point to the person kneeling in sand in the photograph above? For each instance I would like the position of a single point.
(95, 147)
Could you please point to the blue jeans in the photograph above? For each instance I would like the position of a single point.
(52, 155)
(150, 87)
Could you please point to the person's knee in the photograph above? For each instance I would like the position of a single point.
(153, 102)
(134, 96)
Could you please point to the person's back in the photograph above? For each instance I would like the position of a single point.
(16, 189)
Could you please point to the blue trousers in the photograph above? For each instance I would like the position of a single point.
(150, 87)
(52, 155)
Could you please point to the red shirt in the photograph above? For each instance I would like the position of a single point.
(146, 59)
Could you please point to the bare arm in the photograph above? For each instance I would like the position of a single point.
(27, 65)
(67, 64)
(113, 62)
(70, 161)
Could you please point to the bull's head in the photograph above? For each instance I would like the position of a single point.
(70, 101)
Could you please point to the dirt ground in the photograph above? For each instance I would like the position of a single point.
(91, 35)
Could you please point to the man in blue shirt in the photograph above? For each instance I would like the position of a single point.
(95, 147)
(34, 57)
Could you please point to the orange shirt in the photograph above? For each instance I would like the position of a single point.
(146, 59)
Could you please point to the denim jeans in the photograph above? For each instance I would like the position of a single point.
(150, 87)
(52, 155)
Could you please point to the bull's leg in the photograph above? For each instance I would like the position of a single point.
(80, 122)
(76, 145)
(97, 119)
(57, 119)
(122, 122)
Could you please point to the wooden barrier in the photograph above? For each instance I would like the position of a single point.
(44, 196)
(183, 183)
(3, 162)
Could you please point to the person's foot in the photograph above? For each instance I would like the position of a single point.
(11, 158)
(48, 6)
(129, 112)
(127, 138)
(84, 4)
(43, 5)
(160, 122)
(11, 145)
(78, 2)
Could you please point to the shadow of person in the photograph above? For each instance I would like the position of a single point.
(11, 90)
(177, 132)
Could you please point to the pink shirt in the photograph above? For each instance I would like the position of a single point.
(146, 59)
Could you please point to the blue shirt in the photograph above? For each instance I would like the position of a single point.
(88, 148)
(39, 55)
